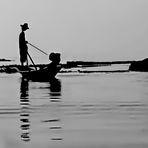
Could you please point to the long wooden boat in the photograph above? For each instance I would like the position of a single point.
(47, 73)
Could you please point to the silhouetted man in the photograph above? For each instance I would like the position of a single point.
(23, 44)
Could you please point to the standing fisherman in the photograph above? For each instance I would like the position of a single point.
(23, 44)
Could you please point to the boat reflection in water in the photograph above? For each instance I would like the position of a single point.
(54, 121)
(51, 122)
(55, 90)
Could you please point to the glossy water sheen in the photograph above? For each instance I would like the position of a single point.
(77, 111)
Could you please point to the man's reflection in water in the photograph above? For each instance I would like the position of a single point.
(24, 115)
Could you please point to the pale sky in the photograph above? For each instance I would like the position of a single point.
(79, 29)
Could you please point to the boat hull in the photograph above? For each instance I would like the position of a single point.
(38, 75)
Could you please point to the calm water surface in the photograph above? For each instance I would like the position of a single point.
(76, 111)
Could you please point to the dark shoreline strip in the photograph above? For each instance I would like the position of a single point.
(111, 71)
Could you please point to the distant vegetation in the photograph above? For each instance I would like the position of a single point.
(141, 66)
(5, 60)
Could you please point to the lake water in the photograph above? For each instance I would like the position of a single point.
(95, 110)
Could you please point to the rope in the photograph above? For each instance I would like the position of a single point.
(38, 48)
